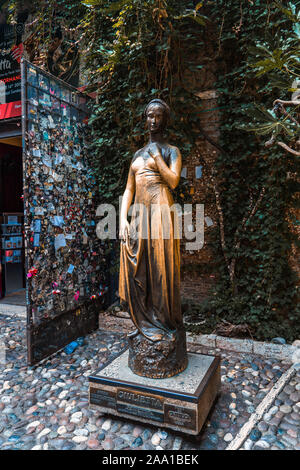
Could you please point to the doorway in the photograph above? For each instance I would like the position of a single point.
(12, 271)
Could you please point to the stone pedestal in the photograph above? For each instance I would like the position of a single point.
(181, 402)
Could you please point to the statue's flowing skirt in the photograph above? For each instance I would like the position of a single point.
(150, 260)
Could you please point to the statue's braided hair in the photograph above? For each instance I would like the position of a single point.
(163, 104)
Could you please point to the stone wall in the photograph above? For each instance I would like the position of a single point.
(293, 218)
(198, 269)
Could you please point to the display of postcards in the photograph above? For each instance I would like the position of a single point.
(46, 188)
(54, 89)
(13, 241)
(56, 119)
(58, 159)
(36, 225)
(70, 236)
(9, 256)
(198, 170)
(65, 94)
(45, 135)
(36, 152)
(59, 148)
(19, 242)
(32, 95)
(51, 124)
(65, 110)
(70, 269)
(68, 162)
(55, 104)
(36, 240)
(16, 258)
(50, 180)
(74, 97)
(43, 121)
(31, 127)
(47, 161)
(11, 228)
(50, 207)
(32, 113)
(32, 76)
(66, 120)
(58, 178)
(44, 99)
(39, 210)
(44, 82)
(12, 220)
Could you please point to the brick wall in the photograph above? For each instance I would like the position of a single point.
(198, 270)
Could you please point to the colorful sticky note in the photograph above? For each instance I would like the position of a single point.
(198, 171)
(71, 268)
(208, 221)
(183, 172)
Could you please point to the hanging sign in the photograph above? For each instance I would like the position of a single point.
(11, 50)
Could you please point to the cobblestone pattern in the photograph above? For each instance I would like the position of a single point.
(246, 379)
(46, 407)
(280, 427)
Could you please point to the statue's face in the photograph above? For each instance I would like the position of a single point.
(155, 118)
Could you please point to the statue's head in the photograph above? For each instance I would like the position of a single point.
(157, 114)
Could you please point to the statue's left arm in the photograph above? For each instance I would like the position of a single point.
(171, 174)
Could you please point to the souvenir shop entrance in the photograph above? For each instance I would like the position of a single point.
(49, 197)
(12, 266)
(12, 270)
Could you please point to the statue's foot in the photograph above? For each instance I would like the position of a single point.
(164, 336)
(156, 337)
(133, 334)
(153, 336)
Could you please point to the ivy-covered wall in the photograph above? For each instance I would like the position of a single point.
(252, 179)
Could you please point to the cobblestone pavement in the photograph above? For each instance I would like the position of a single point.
(46, 407)
(280, 426)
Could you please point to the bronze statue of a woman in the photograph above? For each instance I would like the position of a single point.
(150, 254)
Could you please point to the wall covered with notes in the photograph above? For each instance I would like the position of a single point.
(65, 261)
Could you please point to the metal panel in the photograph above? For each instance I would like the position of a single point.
(65, 263)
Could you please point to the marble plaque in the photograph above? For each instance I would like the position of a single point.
(181, 402)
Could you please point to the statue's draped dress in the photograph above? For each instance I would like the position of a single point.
(150, 259)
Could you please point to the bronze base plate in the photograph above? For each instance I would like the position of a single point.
(181, 402)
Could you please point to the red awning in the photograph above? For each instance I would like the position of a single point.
(8, 110)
